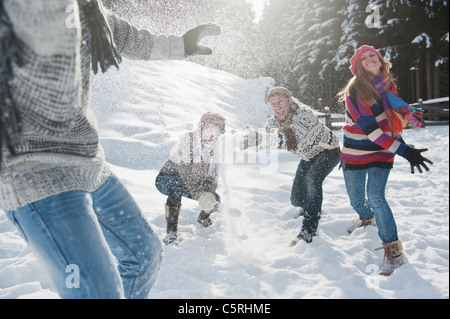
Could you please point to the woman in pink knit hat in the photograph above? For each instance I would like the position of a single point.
(375, 117)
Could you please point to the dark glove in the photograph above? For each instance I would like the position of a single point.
(291, 140)
(209, 185)
(193, 37)
(416, 159)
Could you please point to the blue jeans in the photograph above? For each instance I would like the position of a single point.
(94, 245)
(307, 187)
(171, 186)
(375, 204)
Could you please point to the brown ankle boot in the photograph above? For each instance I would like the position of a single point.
(393, 257)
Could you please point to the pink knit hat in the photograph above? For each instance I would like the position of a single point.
(360, 51)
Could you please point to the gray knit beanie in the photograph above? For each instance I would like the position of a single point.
(279, 90)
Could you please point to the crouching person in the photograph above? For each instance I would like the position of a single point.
(192, 171)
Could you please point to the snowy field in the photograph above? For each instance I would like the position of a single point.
(142, 112)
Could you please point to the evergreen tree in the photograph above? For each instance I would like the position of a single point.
(277, 41)
(431, 44)
(354, 32)
(317, 35)
(411, 35)
(307, 45)
(236, 50)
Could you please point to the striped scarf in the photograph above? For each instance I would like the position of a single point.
(397, 109)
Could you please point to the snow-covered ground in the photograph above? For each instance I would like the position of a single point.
(143, 110)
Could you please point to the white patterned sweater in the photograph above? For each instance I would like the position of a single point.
(313, 137)
(59, 149)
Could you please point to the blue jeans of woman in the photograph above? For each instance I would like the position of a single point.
(307, 187)
(373, 180)
(94, 245)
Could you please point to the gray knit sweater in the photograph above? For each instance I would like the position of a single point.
(59, 147)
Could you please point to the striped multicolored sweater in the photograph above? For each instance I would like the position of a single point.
(368, 140)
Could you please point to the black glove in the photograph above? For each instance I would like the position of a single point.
(193, 37)
(209, 185)
(416, 159)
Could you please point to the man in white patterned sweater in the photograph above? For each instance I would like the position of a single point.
(55, 185)
(301, 132)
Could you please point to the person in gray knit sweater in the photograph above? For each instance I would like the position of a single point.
(55, 185)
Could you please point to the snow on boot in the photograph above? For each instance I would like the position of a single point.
(358, 223)
(172, 214)
(393, 257)
(170, 238)
(204, 219)
(303, 235)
